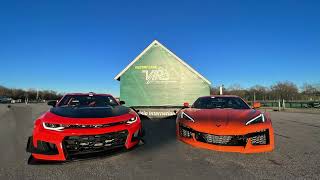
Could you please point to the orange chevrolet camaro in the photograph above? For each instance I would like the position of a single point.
(225, 123)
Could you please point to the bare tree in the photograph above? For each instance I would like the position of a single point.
(260, 92)
(285, 90)
(30, 94)
(214, 91)
(236, 89)
(310, 92)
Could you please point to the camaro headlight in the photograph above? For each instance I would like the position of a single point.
(54, 127)
(259, 119)
(184, 115)
(132, 120)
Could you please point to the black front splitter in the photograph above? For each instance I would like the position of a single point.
(83, 157)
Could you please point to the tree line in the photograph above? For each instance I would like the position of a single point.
(281, 90)
(30, 94)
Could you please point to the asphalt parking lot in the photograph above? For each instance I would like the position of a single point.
(296, 155)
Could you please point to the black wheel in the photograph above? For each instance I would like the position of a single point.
(32, 160)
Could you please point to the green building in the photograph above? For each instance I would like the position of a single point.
(157, 77)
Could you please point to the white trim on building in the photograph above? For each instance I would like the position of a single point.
(171, 53)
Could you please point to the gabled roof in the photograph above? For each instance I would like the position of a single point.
(155, 42)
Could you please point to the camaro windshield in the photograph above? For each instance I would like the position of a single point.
(220, 102)
(88, 101)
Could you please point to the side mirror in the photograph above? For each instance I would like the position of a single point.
(136, 110)
(122, 102)
(52, 103)
(186, 105)
(256, 105)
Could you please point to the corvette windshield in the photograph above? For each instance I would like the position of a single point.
(220, 102)
(88, 101)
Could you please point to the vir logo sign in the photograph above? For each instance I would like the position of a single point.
(156, 75)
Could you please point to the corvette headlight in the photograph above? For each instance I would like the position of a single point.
(54, 127)
(259, 119)
(132, 120)
(184, 115)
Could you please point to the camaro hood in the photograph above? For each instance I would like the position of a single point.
(222, 117)
(88, 115)
(90, 112)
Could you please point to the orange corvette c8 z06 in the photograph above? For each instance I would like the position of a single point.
(225, 123)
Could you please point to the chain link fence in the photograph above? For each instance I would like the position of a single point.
(289, 104)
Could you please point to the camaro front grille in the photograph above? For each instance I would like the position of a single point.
(95, 126)
(257, 138)
(74, 145)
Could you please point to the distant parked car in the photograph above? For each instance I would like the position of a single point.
(18, 101)
(312, 105)
(4, 99)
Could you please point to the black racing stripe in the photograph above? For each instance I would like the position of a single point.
(90, 112)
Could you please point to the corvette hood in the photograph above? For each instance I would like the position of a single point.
(88, 115)
(222, 118)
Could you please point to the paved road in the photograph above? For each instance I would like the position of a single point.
(163, 157)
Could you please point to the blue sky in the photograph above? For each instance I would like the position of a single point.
(72, 46)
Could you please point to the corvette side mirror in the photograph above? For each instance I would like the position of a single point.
(122, 102)
(52, 103)
(186, 105)
(256, 105)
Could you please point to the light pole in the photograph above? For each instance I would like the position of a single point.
(221, 89)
